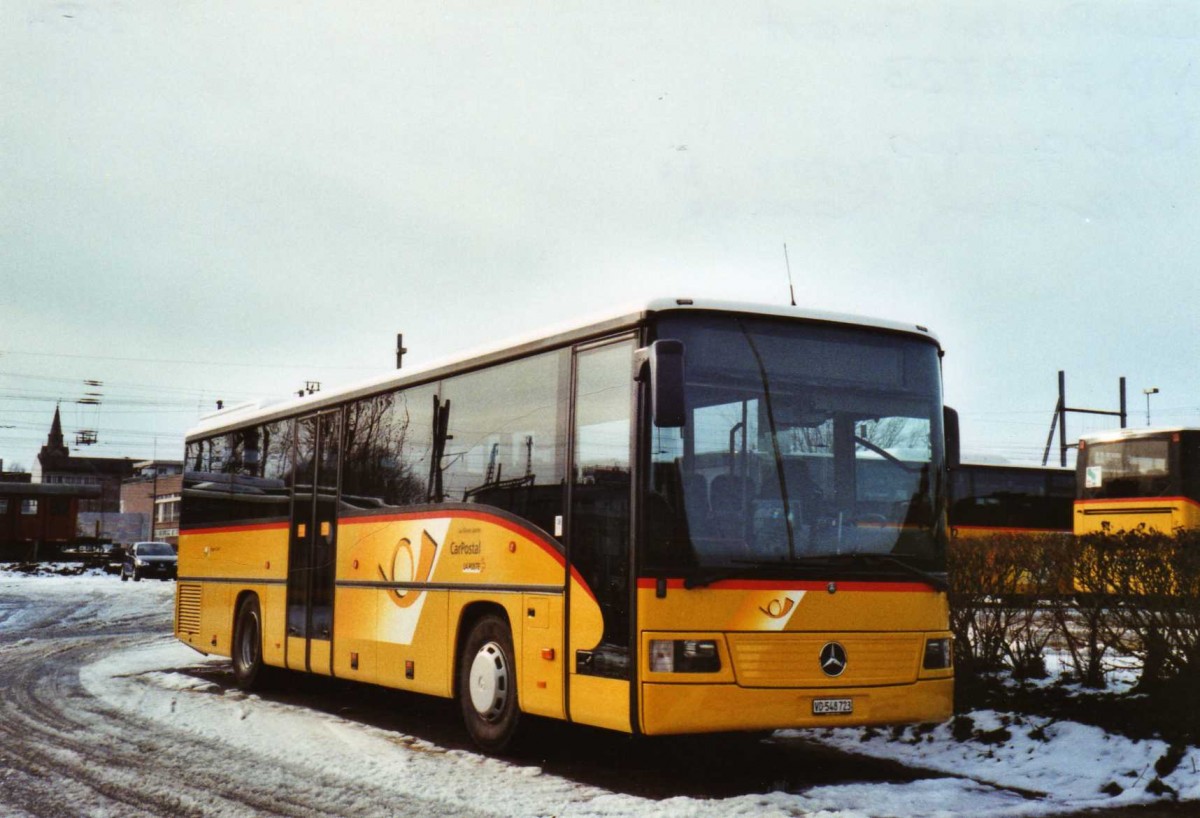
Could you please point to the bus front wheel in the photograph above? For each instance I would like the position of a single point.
(249, 671)
(487, 689)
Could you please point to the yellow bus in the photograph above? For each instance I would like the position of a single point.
(987, 499)
(690, 517)
(1007, 525)
(1138, 479)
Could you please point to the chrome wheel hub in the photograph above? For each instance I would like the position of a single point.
(489, 682)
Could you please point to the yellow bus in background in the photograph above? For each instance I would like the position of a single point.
(1138, 479)
(987, 499)
(691, 517)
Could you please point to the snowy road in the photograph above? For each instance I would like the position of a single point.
(66, 751)
(102, 714)
(129, 734)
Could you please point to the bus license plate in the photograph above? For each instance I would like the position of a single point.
(826, 707)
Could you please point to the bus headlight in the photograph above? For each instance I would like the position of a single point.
(684, 656)
(937, 654)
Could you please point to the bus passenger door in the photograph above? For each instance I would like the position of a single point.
(312, 550)
(600, 656)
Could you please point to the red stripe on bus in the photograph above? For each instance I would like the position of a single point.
(649, 584)
(558, 556)
(1143, 501)
(999, 529)
(460, 515)
(233, 529)
(483, 516)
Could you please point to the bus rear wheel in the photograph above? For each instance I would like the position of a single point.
(487, 684)
(249, 670)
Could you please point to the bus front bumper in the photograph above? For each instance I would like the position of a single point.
(707, 708)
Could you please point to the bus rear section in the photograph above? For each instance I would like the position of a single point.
(1138, 480)
(987, 499)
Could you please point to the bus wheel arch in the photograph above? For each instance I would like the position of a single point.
(486, 677)
(250, 671)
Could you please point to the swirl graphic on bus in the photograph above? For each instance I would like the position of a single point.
(407, 567)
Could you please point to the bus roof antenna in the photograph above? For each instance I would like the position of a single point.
(791, 287)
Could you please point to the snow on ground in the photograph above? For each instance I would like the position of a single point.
(1041, 768)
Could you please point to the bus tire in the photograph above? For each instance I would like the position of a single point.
(487, 684)
(249, 670)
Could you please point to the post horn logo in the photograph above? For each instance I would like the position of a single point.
(833, 659)
(778, 609)
(405, 569)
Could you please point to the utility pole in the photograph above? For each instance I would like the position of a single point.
(1060, 418)
(154, 489)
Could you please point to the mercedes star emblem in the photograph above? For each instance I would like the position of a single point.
(833, 659)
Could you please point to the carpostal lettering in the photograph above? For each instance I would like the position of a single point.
(466, 548)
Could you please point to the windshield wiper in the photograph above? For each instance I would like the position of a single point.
(735, 569)
(783, 487)
(707, 576)
(818, 564)
(939, 581)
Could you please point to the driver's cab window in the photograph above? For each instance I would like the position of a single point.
(600, 524)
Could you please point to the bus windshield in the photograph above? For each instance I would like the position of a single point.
(1132, 467)
(804, 444)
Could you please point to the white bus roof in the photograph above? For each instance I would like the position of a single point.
(548, 338)
(1113, 435)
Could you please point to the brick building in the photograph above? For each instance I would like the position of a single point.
(154, 493)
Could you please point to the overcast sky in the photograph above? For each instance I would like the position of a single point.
(205, 201)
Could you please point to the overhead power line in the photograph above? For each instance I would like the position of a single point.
(293, 365)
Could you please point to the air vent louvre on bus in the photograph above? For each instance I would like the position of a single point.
(187, 610)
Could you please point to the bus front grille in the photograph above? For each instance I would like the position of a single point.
(794, 659)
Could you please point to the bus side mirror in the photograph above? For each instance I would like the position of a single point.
(950, 427)
(662, 365)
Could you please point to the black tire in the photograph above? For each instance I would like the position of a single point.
(487, 684)
(137, 577)
(249, 670)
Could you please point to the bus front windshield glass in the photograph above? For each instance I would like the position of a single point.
(805, 444)
(1138, 467)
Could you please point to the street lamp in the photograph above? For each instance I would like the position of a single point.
(1153, 390)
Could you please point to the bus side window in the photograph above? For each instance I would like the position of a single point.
(389, 440)
(505, 447)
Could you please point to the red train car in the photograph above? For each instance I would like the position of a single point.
(37, 520)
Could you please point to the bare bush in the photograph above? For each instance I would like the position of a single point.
(1083, 613)
(1160, 590)
(979, 623)
(1099, 599)
(996, 581)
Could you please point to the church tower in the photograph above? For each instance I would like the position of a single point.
(55, 445)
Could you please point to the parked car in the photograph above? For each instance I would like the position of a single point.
(149, 559)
